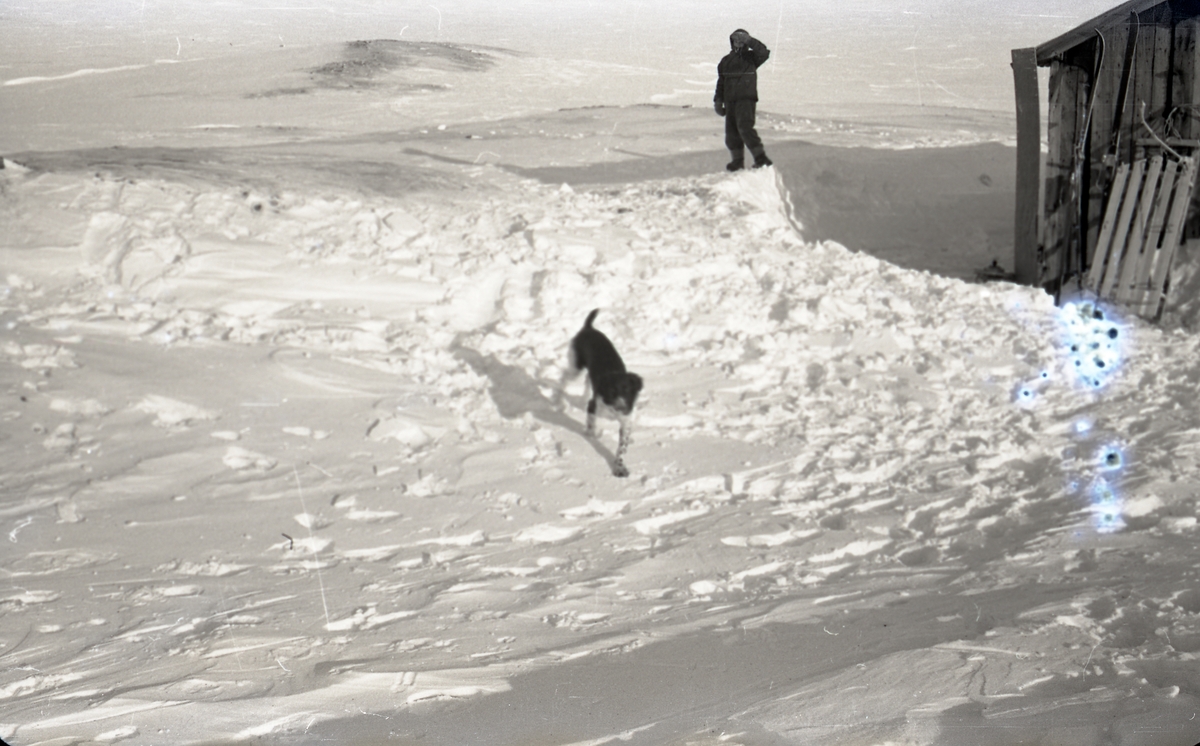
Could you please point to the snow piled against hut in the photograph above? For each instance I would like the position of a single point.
(273, 450)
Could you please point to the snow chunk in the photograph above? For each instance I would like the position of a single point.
(581, 252)
(769, 540)
(427, 486)
(881, 473)
(310, 521)
(859, 548)
(239, 458)
(34, 684)
(1180, 524)
(308, 545)
(367, 618)
(172, 413)
(213, 568)
(763, 190)
(547, 533)
(1142, 506)
(597, 509)
(771, 568)
(106, 242)
(117, 734)
(28, 598)
(371, 516)
(83, 407)
(402, 223)
(473, 539)
(11, 165)
(373, 554)
(648, 526)
(402, 430)
(179, 591)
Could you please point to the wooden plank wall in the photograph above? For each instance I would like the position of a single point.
(1185, 90)
(1157, 84)
(1067, 95)
(1147, 69)
(1150, 68)
(1159, 29)
(1150, 79)
(1185, 83)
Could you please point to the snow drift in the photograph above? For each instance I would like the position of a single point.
(279, 448)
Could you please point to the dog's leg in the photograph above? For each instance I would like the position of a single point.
(623, 441)
(589, 393)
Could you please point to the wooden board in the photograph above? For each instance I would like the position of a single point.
(1137, 232)
(1116, 198)
(1132, 293)
(1172, 236)
(1121, 236)
(1141, 231)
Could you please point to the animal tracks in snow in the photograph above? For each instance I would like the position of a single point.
(359, 465)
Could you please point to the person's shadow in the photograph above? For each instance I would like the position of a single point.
(516, 394)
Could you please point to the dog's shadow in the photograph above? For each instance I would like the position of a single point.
(516, 394)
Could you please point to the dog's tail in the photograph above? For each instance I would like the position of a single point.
(591, 317)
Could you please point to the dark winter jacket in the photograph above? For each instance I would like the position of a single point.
(737, 72)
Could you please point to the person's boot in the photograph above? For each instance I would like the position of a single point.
(738, 162)
(761, 159)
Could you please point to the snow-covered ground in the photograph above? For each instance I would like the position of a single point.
(282, 464)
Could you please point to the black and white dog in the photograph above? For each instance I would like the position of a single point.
(608, 382)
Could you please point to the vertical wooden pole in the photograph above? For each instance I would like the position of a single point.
(1122, 117)
(1104, 242)
(1060, 218)
(1029, 147)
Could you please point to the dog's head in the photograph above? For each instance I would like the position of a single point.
(621, 391)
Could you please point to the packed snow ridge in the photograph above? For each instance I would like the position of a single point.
(909, 425)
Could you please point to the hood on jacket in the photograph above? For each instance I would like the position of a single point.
(743, 33)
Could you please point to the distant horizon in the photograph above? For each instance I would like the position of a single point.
(826, 54)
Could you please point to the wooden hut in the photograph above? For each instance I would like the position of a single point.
(1122, 126)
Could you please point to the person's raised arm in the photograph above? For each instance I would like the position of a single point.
(759, 51)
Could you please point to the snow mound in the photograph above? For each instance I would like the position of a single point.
(817, 428)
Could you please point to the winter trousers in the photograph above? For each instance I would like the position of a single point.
(739, 128)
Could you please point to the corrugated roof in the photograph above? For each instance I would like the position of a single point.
(1048, 51)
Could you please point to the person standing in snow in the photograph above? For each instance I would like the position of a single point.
(737, 98)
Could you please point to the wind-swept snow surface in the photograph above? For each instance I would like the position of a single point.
(282, 462)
